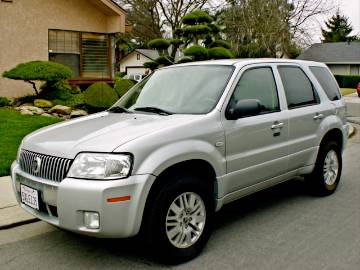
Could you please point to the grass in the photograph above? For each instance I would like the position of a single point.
(13, 128)
(347, 91)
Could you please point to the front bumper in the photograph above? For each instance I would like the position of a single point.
(64, 203)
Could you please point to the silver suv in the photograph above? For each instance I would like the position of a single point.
(179, 145)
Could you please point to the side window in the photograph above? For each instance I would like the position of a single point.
(298, 88)
(327, 82)
(257, 83)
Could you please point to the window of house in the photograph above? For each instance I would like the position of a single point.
(327, 82)
(298, 88)
(64, 48)
(138, 56)
(87, 54)
(258, 83)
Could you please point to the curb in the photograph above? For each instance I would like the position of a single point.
(352, 131)
(19, 223)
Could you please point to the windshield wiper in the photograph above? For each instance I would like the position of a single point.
(118, 109)
(153, 110)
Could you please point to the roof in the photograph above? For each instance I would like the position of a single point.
(332, 53)
(109, 7)
(152, 54)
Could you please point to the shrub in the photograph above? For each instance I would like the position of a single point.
(219, 53)
(4, 101)
(39, 71)
(348, 81)
(159, 44)
(120, 74)
(197, 52)
(176, 42)
(197, 16)
(58, 90)
(196, 30)
(75, 101)
(25, 99)
(185, 59)
(100, 96)
(220, 43)
(151, 65)
(165, 60)
(122, 86)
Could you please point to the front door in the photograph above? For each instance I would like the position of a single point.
(256, 146)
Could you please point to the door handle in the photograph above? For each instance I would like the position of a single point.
(277, 125)
(318, 116)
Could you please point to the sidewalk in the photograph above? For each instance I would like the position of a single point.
(11, 214)
(353, 105)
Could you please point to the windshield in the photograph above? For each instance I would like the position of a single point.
(183, 90)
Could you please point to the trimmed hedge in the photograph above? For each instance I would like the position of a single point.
(348, 81)
(100, 96)
(219, 53)
(159, 44)
(39, 71)
(197, 52)
(4, 101)
(122, 86)
(220, 43)
(196, 17)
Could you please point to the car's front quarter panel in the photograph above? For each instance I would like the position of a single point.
(202, 138)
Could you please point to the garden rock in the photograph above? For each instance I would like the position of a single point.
(60, 109)
(46, 115)
(43, 103)
(33, 109)
(26, 112)
(78, 113)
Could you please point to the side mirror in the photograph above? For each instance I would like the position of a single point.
(243, 108)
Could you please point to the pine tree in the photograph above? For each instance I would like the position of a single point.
(339, 29)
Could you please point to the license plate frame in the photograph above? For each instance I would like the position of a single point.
(30, 196)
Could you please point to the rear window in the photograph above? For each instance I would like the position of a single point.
(298, 88)
(327, 82)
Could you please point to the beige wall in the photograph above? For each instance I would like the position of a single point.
(24, 26)
(339, 69)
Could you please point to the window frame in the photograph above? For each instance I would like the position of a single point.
(314, 90)
(238, 80)
(81, 53)
(338, 92)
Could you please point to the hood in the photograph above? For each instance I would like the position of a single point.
(102, 132)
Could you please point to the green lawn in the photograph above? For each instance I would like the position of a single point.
(13, 127)
(347, 91)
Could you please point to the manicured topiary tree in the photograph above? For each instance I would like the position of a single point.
(197, 53)
(100, 96)
(185, 59)
(50, 72)
(122, 86)
(160, 44)
(219, 53)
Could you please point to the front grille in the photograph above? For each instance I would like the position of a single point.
(51, 168)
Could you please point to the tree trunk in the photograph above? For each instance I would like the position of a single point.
(34, 86)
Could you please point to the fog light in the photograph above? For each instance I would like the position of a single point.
(92, 220)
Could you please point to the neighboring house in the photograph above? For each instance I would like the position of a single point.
(342, 58)
(77, 33)
(134, 61)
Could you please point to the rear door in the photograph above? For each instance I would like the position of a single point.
(306, 112)
(256, 146)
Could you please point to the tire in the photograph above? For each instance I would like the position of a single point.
(163, 228)
(325, 178)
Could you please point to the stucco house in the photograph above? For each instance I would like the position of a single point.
(343, 58)
(134, 61)
(77, 33)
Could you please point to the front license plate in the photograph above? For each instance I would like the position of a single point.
(29, 196)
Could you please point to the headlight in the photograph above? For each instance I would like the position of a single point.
(100, 166)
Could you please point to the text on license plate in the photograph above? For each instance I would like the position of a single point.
(29, 196)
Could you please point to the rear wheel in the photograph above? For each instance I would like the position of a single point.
(326, 175)
(179, 219)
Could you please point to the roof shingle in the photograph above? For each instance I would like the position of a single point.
(337, 52)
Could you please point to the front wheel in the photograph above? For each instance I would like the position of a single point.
(179, 219)
(326, 175)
